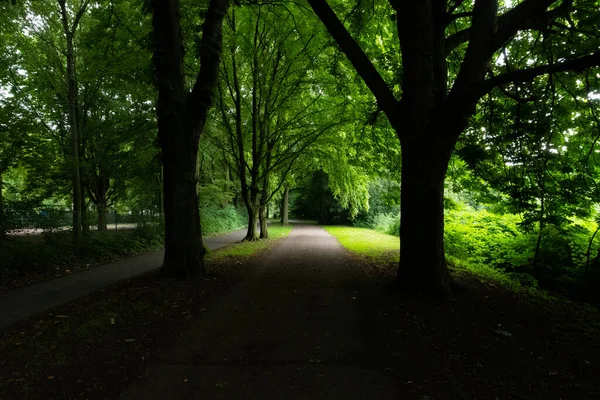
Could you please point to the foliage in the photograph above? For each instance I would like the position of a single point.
(500, 247)
(48, 254)
(217, 220)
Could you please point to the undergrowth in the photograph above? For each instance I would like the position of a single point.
(216, 220)
(51, 254)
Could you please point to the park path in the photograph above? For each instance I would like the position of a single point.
(301, 326)
(24, 302)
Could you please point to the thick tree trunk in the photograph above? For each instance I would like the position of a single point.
(181, 120)
(2, 212)
(184, 249)
(99, 196)
(263, 215)
(183, 240)
(285, 206)
(422, 258)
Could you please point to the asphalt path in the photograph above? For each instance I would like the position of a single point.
(301, 326)
(24, 302)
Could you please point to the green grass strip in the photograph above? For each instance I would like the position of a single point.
(247, 249)
(367, 242)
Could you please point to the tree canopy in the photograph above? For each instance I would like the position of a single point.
(382, 113)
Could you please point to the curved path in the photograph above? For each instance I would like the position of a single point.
(300, 327)
(24, 302)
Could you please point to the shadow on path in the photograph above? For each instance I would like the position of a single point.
(298, 327)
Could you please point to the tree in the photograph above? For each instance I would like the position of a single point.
(181, 120)
(110, 91)
(270, 111)
(70, 28)
(437, 101)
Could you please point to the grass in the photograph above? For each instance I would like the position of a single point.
(248, 249)
(383, 248)
(367, 242)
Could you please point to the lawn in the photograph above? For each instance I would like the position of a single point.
(367, 243)
(247, 249)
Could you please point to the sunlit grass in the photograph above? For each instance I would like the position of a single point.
(367, 242)
(247, 249)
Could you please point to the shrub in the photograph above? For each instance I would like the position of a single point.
(51, 252)
(217, 220)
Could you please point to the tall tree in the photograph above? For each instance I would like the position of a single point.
(70, 26)
(270, 111)
(181, 120)
(437, 101)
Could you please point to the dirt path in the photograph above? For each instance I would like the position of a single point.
(24, 302)
(297, 328)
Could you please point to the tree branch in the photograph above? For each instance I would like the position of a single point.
(384, 95)
(530, 14)
(529, 74)
(201, 96)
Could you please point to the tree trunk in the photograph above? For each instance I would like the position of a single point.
(85, 220)
(101, 208)
(263, 215)
(2, 212)
(422, 265)
(252, 232)
(184, 249)
(322, 208)
(285, 205)
(161, 198)
(73, 124)
(98, 193)
(181, 120)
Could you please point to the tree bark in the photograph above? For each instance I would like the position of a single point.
(263, 215)
(252, 232)
(285, 206)
(422, 266)
(2, 212)
(181, 119)
(99, 194)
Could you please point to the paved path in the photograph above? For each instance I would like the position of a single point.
(299, 327)
(29, 300)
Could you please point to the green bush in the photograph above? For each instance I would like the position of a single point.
(474, 238)
(51, 252)
(388, 223)
(216, 220)
(498, 247)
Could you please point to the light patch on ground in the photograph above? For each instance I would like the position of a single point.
(367, 242)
